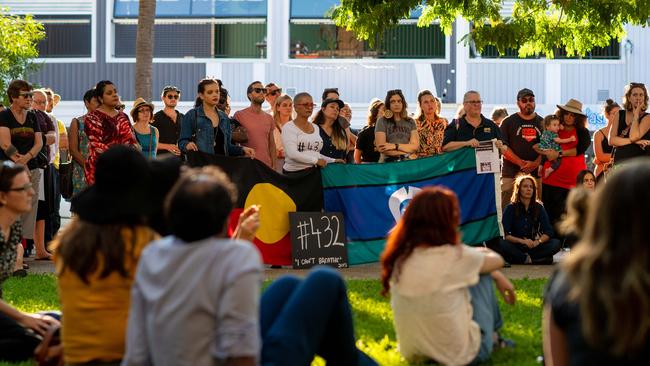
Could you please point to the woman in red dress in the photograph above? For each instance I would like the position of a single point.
(105, 126)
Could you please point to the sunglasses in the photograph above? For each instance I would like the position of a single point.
(275, 91)
(173, 96)
(259, 90)
(637, 84)
(527, 100)
(26, 94)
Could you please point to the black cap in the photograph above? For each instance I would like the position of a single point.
(328, 101)
(524, 93)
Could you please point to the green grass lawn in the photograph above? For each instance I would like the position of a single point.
(372, 313)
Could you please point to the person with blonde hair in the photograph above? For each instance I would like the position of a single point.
(282, 113)
(624, 135)
(597, 305)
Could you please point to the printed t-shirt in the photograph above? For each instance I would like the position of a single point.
(520, 135)
(432, 305)
(397, 132)
(22, 135)
(260, 131)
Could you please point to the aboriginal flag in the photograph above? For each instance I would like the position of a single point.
(276, 194)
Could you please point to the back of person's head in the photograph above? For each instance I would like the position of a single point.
(165, 171)
(609, 269)
(89, 95)
(499, 113)
(431, 219)
(577, 206)
(199, 204)
(373, 111)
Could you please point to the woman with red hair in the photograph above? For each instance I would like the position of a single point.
(444, 305)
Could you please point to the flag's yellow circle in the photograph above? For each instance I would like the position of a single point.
(275, 206)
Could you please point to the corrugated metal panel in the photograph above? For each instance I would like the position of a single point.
(499, 82)
(48, 6)
(582, 82)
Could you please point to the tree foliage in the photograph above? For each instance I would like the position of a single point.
(535, 26)
(19, 36)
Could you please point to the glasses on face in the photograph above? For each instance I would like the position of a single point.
(474, 102)
(173, 96)
(259, 90)
(275, 91)
(24, 188)
(306, 105)
(26, 94)
(527, 100)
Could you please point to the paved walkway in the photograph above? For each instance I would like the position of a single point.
(364, 271)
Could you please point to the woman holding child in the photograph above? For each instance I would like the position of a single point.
(556, 186)
(442, 295)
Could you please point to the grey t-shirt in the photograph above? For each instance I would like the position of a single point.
(195, 303)
(396, 132)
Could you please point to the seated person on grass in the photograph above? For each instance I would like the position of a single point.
(196, 296)
(443, 301)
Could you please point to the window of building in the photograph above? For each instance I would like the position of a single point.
(196, 28)
(313, 35)
(611, 52)
(65, 36)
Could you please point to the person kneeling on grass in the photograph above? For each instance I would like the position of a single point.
(444, 305)
(196, 295)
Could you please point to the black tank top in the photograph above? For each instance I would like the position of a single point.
(622, 153)
(604, 144)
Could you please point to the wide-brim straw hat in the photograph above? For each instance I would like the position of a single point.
(573, 106)
(137, 104)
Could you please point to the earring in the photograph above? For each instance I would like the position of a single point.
(388, 114)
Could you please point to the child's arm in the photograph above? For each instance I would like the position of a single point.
(564, 141)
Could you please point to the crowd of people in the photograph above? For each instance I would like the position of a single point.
(125, 235)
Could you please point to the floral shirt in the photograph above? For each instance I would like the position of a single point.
(8, 251)
(104, 131)
(431, 135)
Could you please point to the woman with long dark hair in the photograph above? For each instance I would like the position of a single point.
(366, 151)
(96, 256)
(396, 135)
(597, 305)
(335, 141)
(442, 295)
(105, 126)
(430, 126)
(528, 233)
(207, 129)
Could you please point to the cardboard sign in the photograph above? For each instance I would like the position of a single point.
(318, 238)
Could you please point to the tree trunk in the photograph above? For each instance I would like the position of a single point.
(144, 42)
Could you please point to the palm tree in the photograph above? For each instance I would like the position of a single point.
(144, 42)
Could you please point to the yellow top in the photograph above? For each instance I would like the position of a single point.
(62, 133)
(95, 314)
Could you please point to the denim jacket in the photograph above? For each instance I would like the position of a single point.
(196, 123)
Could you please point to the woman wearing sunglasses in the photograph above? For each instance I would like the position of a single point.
(21, 141)
(396, 135)
(19, 331)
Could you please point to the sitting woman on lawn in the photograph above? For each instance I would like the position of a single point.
(18, 330)
(528, 233)
(97, 254)
(444, 305)
(597, 307)
(212, 313)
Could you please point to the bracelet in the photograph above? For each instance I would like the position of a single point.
(30, 154)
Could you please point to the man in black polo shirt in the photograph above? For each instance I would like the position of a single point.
(472, 128)
(168, 122)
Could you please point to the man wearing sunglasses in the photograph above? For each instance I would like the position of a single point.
(272, 93)
(520, 131)
(168, 122)
(259, 125)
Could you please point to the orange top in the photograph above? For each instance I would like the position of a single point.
(95, 314)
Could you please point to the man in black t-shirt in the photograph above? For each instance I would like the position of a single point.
(168, 122)
(520, 132)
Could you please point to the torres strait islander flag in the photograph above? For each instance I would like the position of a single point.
(276, 194)
(372, 198)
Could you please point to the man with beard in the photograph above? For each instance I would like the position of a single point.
(520, 132)
(259, 125)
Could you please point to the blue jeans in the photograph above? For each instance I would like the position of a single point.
(303, 318)
(516, 253)
(486, 314)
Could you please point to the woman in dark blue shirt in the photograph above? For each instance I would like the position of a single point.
(335, 140)
(527, 229)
